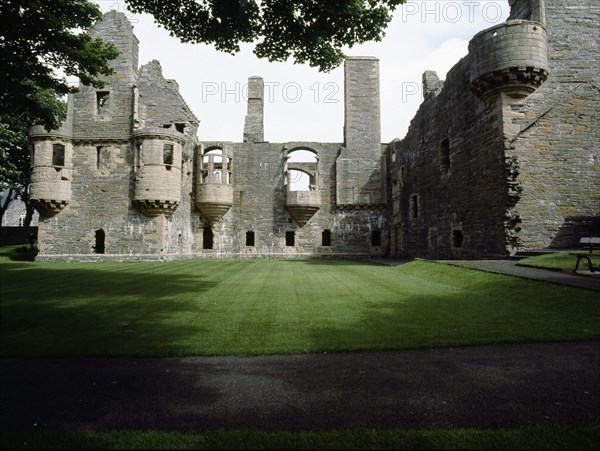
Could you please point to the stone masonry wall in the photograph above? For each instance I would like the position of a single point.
(557, 145)
(447, 176)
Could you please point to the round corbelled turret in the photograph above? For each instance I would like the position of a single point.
(158, 170)
(51, 171)
(510, 58)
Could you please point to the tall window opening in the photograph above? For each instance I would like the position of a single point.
(168, 155)
(214, 174)
(290, 238)
(58, 155)
(326, 238)
(445, 154)
(207, 238)
(304, 177)
(101, 100)
(414, 206)
(98, 155)
(249, 238)
(100, 242)
(376, 238)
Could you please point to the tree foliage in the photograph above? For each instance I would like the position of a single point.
(39, 37)
(309, 31)
(36, 39)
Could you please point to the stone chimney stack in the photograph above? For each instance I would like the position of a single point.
(254, 123)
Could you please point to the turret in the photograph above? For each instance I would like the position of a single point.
(158, 155)
(510, 58)
(52, 166)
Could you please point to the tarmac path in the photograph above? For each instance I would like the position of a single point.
(479, 386)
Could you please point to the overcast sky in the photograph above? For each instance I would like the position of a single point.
(302, 104)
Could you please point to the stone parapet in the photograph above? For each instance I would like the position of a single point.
(511, 57)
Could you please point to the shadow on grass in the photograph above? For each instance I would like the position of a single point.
(90, 310)
(21, 253)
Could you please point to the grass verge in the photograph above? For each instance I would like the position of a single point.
(544, 437)
(252, 307)
(559, 261)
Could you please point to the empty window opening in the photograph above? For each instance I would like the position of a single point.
(98, 155)
(298, 180)
(414, 206)
(100, 238)
(249, 238)
(180, 127)
(394, 155)
(326, 238)
(302, 156)
(58, 155)
(376, 238)
(101, 100)
(457, 238)
(214, 158)
(168, 155)
(207, 238)
(290, 238)
(445, 154)
(402, 175)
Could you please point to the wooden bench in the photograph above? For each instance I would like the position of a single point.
(589, 243)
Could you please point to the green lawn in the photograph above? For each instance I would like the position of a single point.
(561, 261)
(547, 437)
(254, 307)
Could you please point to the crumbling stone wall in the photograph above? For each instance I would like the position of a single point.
(506, 159)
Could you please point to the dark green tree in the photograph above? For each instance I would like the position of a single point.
(308, 31)
(37, 38)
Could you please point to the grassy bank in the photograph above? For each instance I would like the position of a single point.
(558, 261)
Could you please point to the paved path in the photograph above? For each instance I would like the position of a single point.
(484, 386)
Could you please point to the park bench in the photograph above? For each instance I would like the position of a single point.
(589, 243)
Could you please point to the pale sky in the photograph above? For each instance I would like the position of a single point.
(302, 104)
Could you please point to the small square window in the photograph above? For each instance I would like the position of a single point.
(58, 155)
(102, 98)
(457, 238)
(376, 238)
(290, 238)
(326, 238)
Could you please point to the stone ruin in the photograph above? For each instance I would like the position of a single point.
(501, 156)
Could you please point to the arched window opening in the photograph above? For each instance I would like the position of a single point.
(298, 180)
(301, 156)
(212, 167)
(99, 247)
